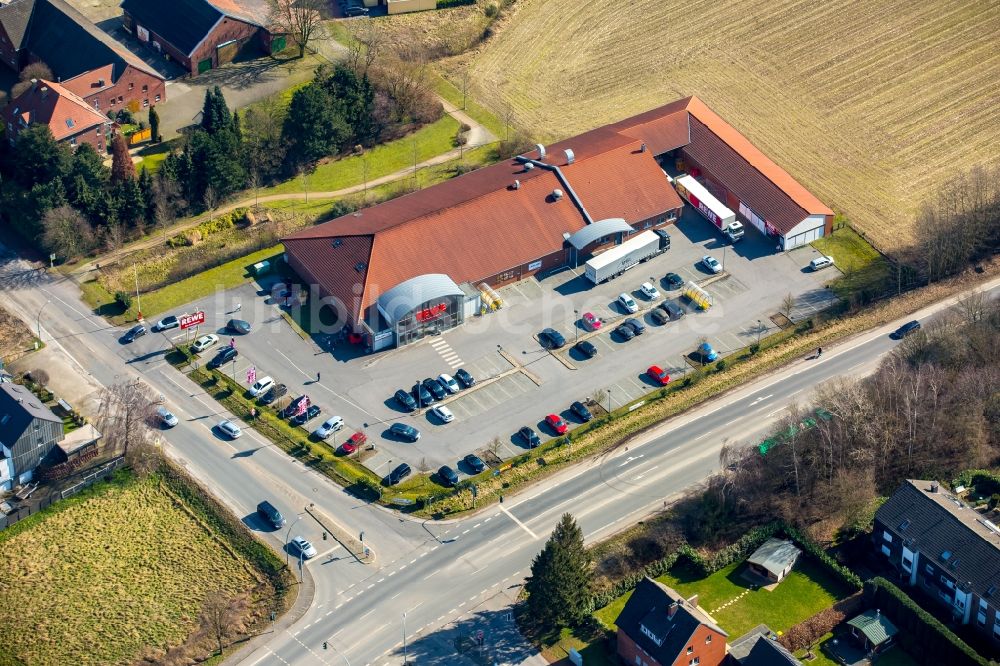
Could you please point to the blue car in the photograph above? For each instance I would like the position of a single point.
(707, 353)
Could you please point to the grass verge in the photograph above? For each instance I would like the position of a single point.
(120, 571)
(477, 111)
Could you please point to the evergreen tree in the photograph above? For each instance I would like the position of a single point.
(148, 190)
(215, 114)
(122, 168)
(313, 128)
(132, 203)
(38, 158)
(154, 125)
(237, 130)
(559, 585)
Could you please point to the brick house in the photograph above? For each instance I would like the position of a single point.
(201, 34)
(938, 543)
(70, 118)
(29, 432)
(82, 57)
(658, 627)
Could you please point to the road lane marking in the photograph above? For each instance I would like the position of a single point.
(367, 614)
(519, 523)
(431, 574)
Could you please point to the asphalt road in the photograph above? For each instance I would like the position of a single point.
(452, 580)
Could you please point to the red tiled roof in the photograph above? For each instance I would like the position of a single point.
(663, 129)
(320, 263)
(85, 84)
(51, 104)
(742, 146)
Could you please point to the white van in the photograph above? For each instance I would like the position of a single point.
(819, 263)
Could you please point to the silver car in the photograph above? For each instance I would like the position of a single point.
(166, 417)
(230, 429)
(449, 383)
(306, 549)
(330, 426)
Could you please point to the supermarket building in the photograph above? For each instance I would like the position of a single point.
(424, 262)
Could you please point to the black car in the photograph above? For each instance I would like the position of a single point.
(625, 332)
(637, 326)
(659, 316)
(906, 329)
(405, 399)
(270, 515)
(432, 385)
(673, 310)
(529, 436)
(273, 394)
(551, 338)
(133, 333)
(405, 432)
(292, 407)
(580, 411)
(305, 417)
(674, 281)
(238, 326)
(225, 355)
(448, 475)
(475, 462)
(421, 395)
(587, 348)
(464, 378)
(398, 474)
(356, 11)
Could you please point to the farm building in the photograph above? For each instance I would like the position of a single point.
(71, 120)
(425, 262)
(201, 34)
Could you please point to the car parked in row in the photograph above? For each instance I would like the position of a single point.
(637, 326)
(658, 375)
(557, 423)
(444, 414)
(404, 432)
(707, 353)
(551, 339)
(405, 400)
(328, 427)
(529, 436)
(435, 388)
(353, 443)
(586, 348)
(659, 316)
(475, 463)
(166, 324)
(293, 407)
(580, 411)
(711, 264)
(649, 291)
(448, 475)
(204, 342)
(672, 310)
(401, 472)
(449, 383)
(628, 303)
(625, 332)
(275, 392)
(421, 395)
(590, 321)
(261, 386)
(464, 378)
(674, 281)
(312, 411)
(225, 355)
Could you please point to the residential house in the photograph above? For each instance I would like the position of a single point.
(759, 647)
(774, 559)
(938, 543)
(659, 627)
(201, 34)
(70, 118)
(82, 57)
(29, 432)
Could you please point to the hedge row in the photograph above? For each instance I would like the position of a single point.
(986, 482)
(846, 576)
(734, 552)
(445, 4)
(920, 633)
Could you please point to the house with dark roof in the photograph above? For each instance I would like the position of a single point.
(659, 627)
(71, 120)
(82, 57)
(938, 543)
(201, 34)
(29, 432)
(395, 271)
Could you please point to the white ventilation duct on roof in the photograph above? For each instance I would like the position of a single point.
(557, 194)
(541, 151)
(517, 185)
(570, 156)
(528, 166)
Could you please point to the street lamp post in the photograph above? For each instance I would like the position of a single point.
(38, 319)
(760, 326)
(576, 326)
(288, 533)
(724, 248)
(404, 638)
(609, 401)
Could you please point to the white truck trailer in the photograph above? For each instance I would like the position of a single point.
(615, 261)
(710, 208)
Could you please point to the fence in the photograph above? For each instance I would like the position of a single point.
(88, 479)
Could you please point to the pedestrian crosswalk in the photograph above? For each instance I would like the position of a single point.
(446, 352)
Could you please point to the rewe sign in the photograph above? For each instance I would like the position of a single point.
(189, 320)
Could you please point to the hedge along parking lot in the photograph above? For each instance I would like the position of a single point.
(121, 571)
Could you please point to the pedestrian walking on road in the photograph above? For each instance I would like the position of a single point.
(819, 352)
(317, 375)
(239, 306)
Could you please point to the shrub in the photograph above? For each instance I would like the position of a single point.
(806, 633)
(985, 482)
(721, 365)
(445, 4)
(124, 299)
(491, 10)
(177, 241)
(847, 576)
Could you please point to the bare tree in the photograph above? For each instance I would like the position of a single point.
(495, 445)
(67, 233)
(40, 377)
(124, 415)
(144, 458)
(598, 396)
(222, 615)
(787, 305)
(973, 306)
(301, 20)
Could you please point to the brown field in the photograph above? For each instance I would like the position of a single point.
(870, 104)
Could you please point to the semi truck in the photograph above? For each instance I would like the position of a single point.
(615, 261)
(710, 208)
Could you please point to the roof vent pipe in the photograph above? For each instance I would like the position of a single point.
(517, 184)
(643, 149)
(570, 157)
(934, 487)
(557, 194)
(528, 166)
(541, 151)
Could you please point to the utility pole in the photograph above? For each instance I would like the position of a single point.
(138, 301)
(404, 638)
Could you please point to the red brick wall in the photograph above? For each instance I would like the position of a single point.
(106, 99)
(549, 261)
(628, 650)
(708, 654)
(228, 30)
(96, 137)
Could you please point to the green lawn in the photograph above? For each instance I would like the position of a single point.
(594, 653)
(849, 250)
(153, 155)
(806, 591)
(479, 113)
(894, 657)
(386, 158)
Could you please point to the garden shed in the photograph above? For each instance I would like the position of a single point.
(774, 559)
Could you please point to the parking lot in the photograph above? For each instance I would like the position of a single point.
(519, 382)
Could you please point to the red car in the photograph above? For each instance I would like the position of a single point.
(590, 321)
(354, 443)
(557, 424)
(658, 375)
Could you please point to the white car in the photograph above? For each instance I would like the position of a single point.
(449, 382)
(204, 342)
(230, 429)
(166, 417)
(261, 386)
(819, 263)
(711, 263)
(628, 303)
(306, 549)
(330, 426)
(443, 413)
(649, 291)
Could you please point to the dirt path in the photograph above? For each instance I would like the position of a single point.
(476, 136)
